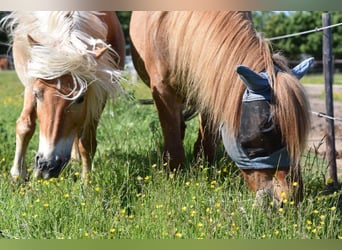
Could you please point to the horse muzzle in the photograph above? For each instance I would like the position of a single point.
(47, 168)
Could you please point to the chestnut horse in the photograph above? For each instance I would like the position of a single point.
(217, 62)
(3, 63)
(69, 63)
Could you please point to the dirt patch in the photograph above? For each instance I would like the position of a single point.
(318, 126)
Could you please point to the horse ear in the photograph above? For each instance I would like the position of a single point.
(253, 81)
(98, 52)
(300, 70)
(31, 41)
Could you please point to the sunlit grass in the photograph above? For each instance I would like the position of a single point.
(319, 79)
(130, 196)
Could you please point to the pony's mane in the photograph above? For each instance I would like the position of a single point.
(204, 49)
(65, 43)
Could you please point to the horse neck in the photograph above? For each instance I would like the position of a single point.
(204, 50)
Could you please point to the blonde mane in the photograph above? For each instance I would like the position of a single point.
(203, 51)
(66, 41)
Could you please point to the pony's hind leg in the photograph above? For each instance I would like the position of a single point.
(25, 127)
(206, 142)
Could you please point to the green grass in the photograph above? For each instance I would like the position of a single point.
(129, 195)
(319, 79)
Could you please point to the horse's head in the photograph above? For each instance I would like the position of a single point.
(259, 149)
(61, 106)
(61, 112)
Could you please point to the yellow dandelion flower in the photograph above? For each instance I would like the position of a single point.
(295, 184)
(276, 232)
(66, 196)
(322, 217)
(291, 203)
(330, 180)
(86, 234)
(314, 231)
(309, 222)
(178, 235)
(225, 170)
(97, 189)
(146, 178)
(193, 213)
(282, 194)
(76, 173)
(23, 215)
(280, 210)
(285, 201)
(315, 211)
(263, 236)
(199, 224)
(159, 206)
(339, 237)
(46, 205)
(37, 200)
(187, 183)
(82, 204)
(112, 230)
(184, 209)
(217, 204)
(165, 164)
(295, 225)
(154, 165)
(333, 208)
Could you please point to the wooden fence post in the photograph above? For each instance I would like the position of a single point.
(329, 103)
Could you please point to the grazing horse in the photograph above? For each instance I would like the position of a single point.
(69, 63)
(217, 62)
(3, 63)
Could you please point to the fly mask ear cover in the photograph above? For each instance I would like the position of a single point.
(258, 144)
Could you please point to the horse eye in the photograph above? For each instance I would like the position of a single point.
(79, 100)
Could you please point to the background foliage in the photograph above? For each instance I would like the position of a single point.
(271, 24)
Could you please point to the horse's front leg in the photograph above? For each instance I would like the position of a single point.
(87, 148)
(25, 127)
(170, 116)
(206, 142)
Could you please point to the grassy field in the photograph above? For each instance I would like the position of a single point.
(129, 195)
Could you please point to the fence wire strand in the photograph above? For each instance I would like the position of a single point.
(317, 29)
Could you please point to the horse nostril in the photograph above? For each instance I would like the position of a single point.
(39, 165)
